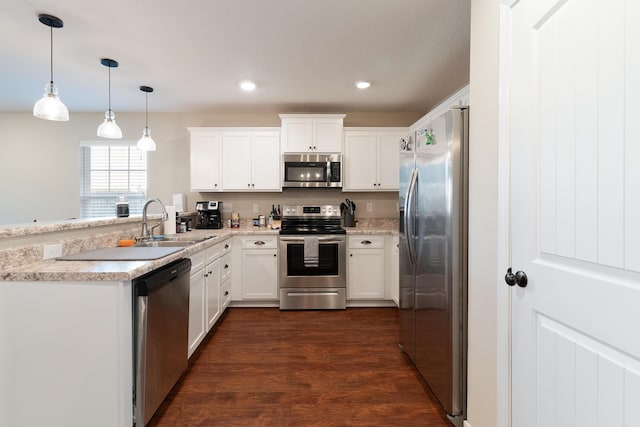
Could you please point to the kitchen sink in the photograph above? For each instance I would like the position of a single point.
(173, 241)
(165, 243)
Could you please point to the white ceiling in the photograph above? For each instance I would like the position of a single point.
(305, 55)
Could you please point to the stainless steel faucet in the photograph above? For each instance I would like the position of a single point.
(145, 230)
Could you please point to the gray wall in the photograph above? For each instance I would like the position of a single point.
(39, 166)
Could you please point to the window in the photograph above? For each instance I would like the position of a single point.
(109, 171)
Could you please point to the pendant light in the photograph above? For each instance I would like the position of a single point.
(109, 128)
(146, 143)
(49, 107)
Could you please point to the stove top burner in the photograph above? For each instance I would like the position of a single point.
(312, 230)
(311, 220)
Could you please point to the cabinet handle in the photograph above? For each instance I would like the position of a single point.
(259, 243)
(226, 293)
(366, 242)
(275, 254)
(215, 185)
(248, 185)
(226, 266)
(206, 275)
(226, 246)
(253, 185)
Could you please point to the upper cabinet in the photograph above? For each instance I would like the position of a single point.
(235, 159)
(371, 159)
(302, 133)
(206, 155)
(251, 161)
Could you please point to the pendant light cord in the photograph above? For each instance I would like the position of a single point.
(51, 53)
(109, 67)
(146, 109)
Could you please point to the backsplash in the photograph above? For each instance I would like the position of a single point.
(383, 204)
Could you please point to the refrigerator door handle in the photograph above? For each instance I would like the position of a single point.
(409, 216)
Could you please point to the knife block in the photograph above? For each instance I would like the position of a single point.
(348, 220)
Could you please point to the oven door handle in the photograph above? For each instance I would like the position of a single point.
(332, 239)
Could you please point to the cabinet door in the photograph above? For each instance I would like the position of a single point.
(365, 279)
(395, 271)
(236, 161)
(259, 274)
(212, 281)
(265, 161)
(388, 160)
(360, 161)
(205, 152)
(327, 135)
(297, 135)
(197, 328)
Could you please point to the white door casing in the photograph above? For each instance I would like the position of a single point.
(573, 76)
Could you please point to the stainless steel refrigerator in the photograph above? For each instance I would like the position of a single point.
(433, 256)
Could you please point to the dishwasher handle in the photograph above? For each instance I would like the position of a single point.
(145, 284)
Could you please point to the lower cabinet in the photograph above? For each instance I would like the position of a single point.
(259, 268)
(210, 272)
(366, 267)
(197, 299)
(395, 270)
(225, 275)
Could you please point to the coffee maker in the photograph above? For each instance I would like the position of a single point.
(208, 214)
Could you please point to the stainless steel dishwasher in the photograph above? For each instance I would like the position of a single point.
(161, 322)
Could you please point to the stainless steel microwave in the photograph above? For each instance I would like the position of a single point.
(321, 170)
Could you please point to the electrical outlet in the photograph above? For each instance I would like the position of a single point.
(256, 208)
(369, 207)
(52, 251)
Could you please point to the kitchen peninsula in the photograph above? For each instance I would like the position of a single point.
(67, 325)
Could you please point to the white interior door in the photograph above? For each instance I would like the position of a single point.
(574, 71)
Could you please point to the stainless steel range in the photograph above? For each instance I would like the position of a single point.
(312, 258)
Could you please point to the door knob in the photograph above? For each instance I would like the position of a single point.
(520, 278)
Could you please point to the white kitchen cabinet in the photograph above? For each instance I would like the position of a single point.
(225, 274)
(366, 267)
(205, 157)
(212, 284)
(197, 298)
(251, 161)
(395, 270)
(371, 159)
(303, 133)
(205, 301)
(259, 268)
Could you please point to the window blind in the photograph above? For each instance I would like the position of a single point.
(109, 171)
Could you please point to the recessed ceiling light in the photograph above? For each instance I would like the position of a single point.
(362, 85)
(247, 85)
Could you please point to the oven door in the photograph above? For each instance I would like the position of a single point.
(330, 271)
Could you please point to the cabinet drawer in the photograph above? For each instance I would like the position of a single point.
(197, 261)
(225, 294)
(366, 241)
(259, 242)
(225, 247)
(212, 253)
(225, 267)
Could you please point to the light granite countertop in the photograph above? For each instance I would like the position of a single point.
(101, 271)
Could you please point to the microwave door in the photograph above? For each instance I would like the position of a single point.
(328, 172)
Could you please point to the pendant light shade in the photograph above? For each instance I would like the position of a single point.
(109, 128)
(50, 107)
(146, 143)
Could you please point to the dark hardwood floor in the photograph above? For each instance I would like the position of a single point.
(266, 367)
